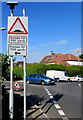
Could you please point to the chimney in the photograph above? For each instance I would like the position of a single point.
(52, 53)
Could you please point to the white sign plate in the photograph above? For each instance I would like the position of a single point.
(18, 39)
(17, 50)
(17, 25)
(17, 36)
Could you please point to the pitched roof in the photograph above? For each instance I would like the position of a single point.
(60, 58)
(64, 57)
(46, 59)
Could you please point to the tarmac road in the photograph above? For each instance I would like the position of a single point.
(67, 99)
(61, 101)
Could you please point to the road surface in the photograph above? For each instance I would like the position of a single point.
(60, 101)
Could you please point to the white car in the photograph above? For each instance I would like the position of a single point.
(77, 78)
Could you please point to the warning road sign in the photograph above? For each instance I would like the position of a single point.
(17, 26)
(16, 86)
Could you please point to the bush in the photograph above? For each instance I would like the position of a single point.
(18, 71)
(42, 68)
(36, 68)
(73, 70)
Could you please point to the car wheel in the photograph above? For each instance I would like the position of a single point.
(68, 80)
(28, 81)
(42, 82)
(4, 79)
(57, 79)
(78, 80)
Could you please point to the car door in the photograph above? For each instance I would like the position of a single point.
(37, 80)
(32, 78)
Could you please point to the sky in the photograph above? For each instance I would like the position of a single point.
(53, 26)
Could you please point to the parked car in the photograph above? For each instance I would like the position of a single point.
(15, 77)
(77, 78)
(39, 78)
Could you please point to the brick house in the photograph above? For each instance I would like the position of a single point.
(59, 58)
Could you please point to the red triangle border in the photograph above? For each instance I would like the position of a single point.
(17, 19)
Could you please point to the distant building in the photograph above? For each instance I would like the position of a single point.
(64, 59)
(20, 64)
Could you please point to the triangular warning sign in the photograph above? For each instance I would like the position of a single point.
(16, 86)
(17, 27)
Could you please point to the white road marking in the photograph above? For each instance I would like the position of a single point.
(61, 112)
(57, 106)
(65, 118)
(79, 84)
(48, 92)
(51, 96)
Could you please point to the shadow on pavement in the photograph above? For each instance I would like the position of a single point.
(53, 100)
(19, 105)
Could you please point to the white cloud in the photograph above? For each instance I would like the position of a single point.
(32, 47)
(53, 43)
(34, 57)
(62, 42)
(42, 45)
(78, 51)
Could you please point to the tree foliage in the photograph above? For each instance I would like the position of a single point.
(81, 56)
(5, 62)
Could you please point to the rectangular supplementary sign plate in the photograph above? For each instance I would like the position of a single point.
(17, 50)
(18, 39)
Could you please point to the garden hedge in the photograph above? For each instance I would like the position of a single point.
(42, 68)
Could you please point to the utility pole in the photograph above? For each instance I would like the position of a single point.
(78, 58)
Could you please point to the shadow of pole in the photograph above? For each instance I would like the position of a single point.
(53, 100)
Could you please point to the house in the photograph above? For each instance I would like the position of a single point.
(59, 58)
(19, 64)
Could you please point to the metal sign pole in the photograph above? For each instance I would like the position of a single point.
(24, 87)
(11, 83)
(11, 91)
(11, 4)
(24, 79)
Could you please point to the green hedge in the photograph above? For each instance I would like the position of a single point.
(73, 70)
(42, 68)
(19, 71)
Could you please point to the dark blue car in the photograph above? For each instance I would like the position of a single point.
(39, 78)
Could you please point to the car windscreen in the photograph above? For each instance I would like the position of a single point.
(42, 76)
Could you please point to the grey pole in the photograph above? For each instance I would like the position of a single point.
(12, 4)
(11, 91)
(24, 87)
(24, 79)
(11, 83)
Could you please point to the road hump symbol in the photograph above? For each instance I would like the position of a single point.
(17, 27)
(16, 85)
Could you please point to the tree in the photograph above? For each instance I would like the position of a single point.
(81, 56)
(5, 62)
